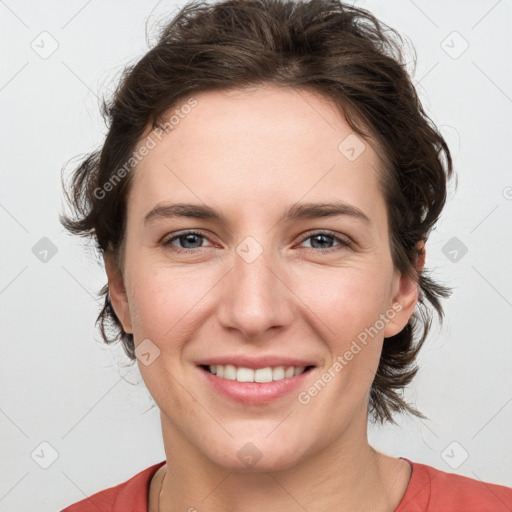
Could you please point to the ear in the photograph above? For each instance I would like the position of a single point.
(406, 295)
(117, 292)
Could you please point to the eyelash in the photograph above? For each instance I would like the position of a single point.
(344, 244)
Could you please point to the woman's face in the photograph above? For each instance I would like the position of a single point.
(264, 283)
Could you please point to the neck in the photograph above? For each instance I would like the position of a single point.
(348, 475)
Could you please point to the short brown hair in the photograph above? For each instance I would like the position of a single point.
(341, 52)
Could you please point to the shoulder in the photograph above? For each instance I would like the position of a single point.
(432, 489)
(131, 495)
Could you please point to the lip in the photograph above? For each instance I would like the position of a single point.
(256, 362)
(255, 393)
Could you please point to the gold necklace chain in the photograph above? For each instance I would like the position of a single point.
(161, 489)
(388, 500)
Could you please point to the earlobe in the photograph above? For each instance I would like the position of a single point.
(406, 297)
(117, 292)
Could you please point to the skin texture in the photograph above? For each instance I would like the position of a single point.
(251, 154)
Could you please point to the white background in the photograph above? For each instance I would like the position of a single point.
(61, 385)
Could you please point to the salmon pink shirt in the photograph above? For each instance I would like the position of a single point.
(429, 489)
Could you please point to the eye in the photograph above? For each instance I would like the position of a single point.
(320, 238)
(193, 238)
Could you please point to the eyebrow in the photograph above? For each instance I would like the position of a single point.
(297, 211)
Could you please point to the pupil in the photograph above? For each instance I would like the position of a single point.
(316, 237)
(190, 238)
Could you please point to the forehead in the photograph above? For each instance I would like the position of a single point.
(249, 149)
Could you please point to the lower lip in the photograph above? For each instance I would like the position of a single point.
(255, 393)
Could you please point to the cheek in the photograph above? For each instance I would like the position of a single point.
(349, 304)
(166, 306)
(164, 301)
(167, 301)
(347, 300)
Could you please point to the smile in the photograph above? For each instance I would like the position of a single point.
(255, 386)
(261, 375)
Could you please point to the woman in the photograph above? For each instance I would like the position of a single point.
(262, 201)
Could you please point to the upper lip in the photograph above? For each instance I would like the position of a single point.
(255, 362)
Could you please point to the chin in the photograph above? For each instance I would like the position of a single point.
(258, 455)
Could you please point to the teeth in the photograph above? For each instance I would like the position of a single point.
(289, 372)
(267, 374)
(263, 374)
(230, 372)
(244, 375)
(278, 372)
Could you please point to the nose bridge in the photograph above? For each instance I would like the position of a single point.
(256, 298)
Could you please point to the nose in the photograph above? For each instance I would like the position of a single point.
(257, 298)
